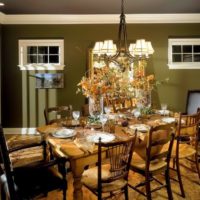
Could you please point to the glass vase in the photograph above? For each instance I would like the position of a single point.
(96, 106)
(143, 98)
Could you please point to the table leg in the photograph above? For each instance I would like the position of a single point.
(78, 193)
(77, 171)
(77, 167)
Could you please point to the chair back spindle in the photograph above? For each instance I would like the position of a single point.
(119, 156)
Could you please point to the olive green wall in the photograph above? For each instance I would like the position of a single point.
(77, 39)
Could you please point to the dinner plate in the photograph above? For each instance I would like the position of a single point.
(168, 119)
(140, 127)
(64, 133)
(105, 137)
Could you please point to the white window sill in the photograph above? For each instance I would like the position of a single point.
(184, 66)
(41, 67)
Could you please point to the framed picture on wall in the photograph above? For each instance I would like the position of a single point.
(48, 80)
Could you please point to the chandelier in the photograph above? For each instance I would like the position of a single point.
(120, 55)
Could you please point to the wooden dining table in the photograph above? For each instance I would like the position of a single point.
(79, 157)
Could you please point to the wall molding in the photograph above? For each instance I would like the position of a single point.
(2, 16)
(99, 19)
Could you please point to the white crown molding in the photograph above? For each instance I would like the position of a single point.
(99, 19)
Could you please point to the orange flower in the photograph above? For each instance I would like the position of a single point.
(150, 77)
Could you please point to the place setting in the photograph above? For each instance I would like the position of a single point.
(87, 138)
(87, 141)
(163, 111)
(63, 133)
(143, 128)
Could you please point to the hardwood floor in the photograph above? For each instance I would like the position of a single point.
(190, 181)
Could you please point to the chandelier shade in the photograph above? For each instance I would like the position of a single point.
(121, 54)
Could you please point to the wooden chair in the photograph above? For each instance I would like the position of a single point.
(18, 155)
(30, 180)
(110, 176)
(158, 152)
(57, 113)
(186, 145)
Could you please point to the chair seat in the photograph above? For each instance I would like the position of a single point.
(32, 179)
(31, 182)
(139, 163)
(25, 156)
(90, 178)
(17, 141)
(185, 151)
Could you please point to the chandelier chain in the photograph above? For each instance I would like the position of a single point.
(122, 7)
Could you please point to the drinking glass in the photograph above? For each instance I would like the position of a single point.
(103, 119)
(136, 113)
(83, 123)
(164, 108)
(107, 109)
(76, 115)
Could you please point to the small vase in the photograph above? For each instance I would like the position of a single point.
(95, 106)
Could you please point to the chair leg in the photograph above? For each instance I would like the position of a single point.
(148, 187)
(3, 194)
(179, 178)
(126, 192)
(64, 194)
(64, 190)
(51, 153)
(197, 164)
(99, 196)
(168, 185)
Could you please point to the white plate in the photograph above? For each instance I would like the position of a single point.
(163, 112)
(140, 127)
(105, 137)
(168, 119)
(64, 133)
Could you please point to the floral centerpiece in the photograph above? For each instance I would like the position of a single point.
(99, 84)
(111, 83)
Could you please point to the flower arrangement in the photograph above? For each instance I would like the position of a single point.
(99, 84)
(112, 83)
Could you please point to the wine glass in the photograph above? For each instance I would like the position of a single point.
(164, 108)
(136, 113)
(107, 109)
(83, 122)
(76, 115)
(103, 119)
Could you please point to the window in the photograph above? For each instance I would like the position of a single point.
(41, 54)
(184, 53)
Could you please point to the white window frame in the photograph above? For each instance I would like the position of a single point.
(182, 65)
(23, 44)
